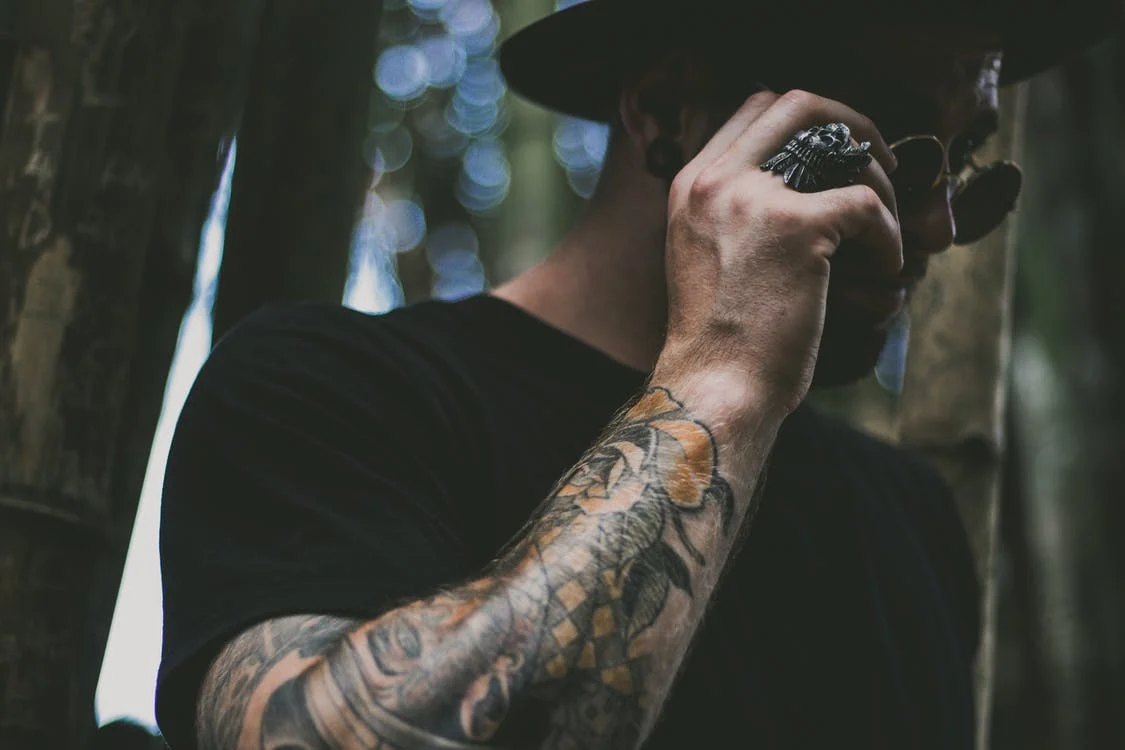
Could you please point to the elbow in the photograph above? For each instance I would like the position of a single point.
(334, 704)
(289, 719)
(265, 712)
(337, 704)
(425, 675)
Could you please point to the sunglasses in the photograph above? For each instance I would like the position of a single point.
(983, 196)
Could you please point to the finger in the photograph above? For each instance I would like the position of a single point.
(799, 110)
(750, 110)
(859, 214)
(875, 177)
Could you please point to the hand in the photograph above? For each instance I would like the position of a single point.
(748, 257)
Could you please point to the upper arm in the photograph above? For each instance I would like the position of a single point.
(302, 478)
(251, 667)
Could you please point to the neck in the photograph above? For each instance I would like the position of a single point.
(604, 283)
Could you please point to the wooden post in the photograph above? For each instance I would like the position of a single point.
(81, 164)
(956, 385)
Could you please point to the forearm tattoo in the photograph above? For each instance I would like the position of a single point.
(570, 640)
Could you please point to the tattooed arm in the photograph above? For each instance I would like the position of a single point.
(577, 632)
(571, 639)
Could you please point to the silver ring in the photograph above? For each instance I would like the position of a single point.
(820, 158)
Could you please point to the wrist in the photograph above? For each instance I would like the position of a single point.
(723, 395)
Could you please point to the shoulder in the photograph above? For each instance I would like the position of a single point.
(287, 335)
(296, 398)
(314, 468)
(337, 359)
(299, 403)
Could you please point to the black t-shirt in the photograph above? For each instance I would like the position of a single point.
(333, 462)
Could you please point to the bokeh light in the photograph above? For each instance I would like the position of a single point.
(485, 177)
(580, 147)
(402, 72)
(474, 23)
(405, 225)
(389, 151)
(440, 139)
(427, 9)
(452, 252)
(447, 59)
(437, 143)
(373, 285)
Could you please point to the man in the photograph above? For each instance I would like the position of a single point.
(357, 550)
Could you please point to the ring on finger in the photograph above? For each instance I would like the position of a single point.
(820, 158)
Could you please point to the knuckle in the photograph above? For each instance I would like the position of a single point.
(680, 190)
(867, 200)
(706, 186)
(864, 128)
(865, 124)
(763, 98)
(799, 99)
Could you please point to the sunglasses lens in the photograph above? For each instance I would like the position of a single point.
(920, 162)
(985, 200)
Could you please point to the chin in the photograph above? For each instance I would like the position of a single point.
(849, 348)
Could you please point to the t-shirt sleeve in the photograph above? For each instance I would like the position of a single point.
(305, 476)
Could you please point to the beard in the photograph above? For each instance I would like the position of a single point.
(856, 330)
(857, 319)
(850, 346)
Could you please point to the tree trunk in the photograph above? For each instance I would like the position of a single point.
(1069, 402)
(202, 125)
(300, 178)
(956, 381)
(81, 175)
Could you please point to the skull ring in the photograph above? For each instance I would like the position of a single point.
(820, 158)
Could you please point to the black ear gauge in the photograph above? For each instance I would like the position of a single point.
(665, 158)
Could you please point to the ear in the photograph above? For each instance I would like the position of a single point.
(665, 100)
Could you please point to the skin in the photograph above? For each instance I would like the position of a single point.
(719, 285)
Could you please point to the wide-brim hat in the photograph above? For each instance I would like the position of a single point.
(574, 60)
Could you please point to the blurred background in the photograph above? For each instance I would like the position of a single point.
(310, 158)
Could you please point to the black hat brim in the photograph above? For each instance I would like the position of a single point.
(574, 60)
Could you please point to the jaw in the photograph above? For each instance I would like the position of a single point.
(850, 346)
